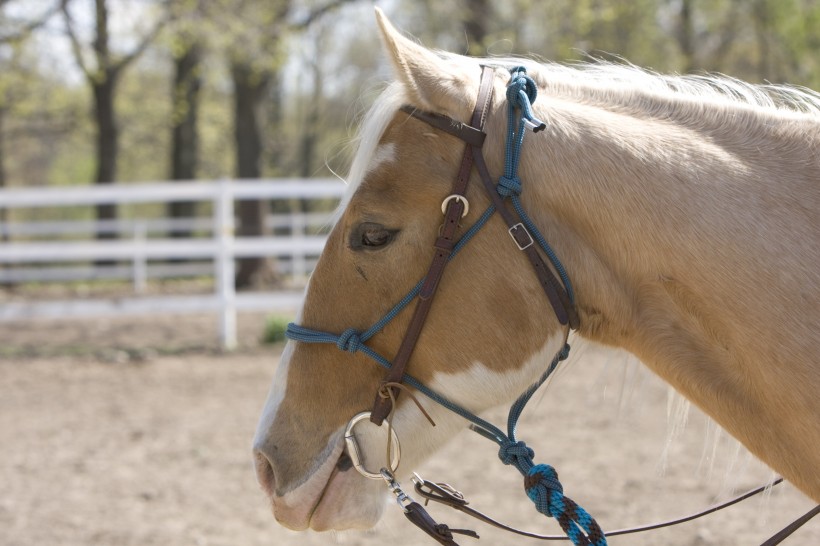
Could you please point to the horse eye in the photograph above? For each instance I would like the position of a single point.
(370, 235)
(375, 237)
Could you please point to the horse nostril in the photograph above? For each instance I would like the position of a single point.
(264, 472)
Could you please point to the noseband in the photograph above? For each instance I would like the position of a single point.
(540, 481)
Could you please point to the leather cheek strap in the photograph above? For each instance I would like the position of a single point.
(556, 294)
(444, 243)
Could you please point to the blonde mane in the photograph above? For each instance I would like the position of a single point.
(609, 85)
(625, 84)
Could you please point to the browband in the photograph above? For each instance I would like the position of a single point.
(470, 135)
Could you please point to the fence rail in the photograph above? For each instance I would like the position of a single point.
(166, 192)
(147, 226)
(215, 246)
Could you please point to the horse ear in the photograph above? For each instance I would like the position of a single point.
(445, 85)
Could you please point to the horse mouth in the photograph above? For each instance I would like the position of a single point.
(295, 508)
(331, 497)
(312, 523)
(348, 501)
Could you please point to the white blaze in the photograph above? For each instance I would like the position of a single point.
(277, 389)
(275, 395)
(384, 153)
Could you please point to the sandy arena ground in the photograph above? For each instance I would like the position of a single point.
(137, 432)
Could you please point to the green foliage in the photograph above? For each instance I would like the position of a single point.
(327, 73)
(144, 111)
(275, 328)
(73, 162)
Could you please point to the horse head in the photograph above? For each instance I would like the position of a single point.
(486, 338)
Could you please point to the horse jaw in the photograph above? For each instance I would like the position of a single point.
(306, 505)
(336, 497)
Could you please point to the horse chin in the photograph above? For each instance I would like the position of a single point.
(330, 499)
(295, 508)
(349, 502)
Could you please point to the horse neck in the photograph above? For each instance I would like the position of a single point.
(679, 240)
(636, 200)
(667, 219)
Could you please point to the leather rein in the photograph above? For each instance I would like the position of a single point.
(445, 494)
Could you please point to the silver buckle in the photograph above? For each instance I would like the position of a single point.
(516, 227)
(457, 198)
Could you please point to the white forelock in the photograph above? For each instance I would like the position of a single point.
(367, 139)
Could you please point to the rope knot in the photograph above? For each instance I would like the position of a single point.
(515, 453)
(543, 488)
(508, 186)
(519, 81)
(521, 93)
(349, 341)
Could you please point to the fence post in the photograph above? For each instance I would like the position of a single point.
(298, 229)
(224, 264)
(140, 263)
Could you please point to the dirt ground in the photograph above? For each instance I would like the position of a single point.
(138, 432)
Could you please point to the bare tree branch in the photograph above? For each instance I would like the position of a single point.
(144, 43)
(76, 48)
(317, 13)
(103, 58)
(31, 26)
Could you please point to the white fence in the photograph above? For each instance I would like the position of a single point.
(221, 247)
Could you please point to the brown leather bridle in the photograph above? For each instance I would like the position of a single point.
(473, 135)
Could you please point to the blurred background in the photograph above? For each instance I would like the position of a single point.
(202, 89)
(167, 173)
(148, 96)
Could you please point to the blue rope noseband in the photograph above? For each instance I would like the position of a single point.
(540, 481)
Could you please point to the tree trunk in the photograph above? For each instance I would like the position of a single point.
(686, 35)
(185, 139)
(762, 23)
(102, 77)
(476, 25)
(274, 118)
(310, 136)
(107, 141)
(3, 212)
(250, 89)
(310, 131)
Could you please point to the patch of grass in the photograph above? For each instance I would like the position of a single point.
(275, 327)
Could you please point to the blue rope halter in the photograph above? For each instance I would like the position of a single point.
(540, 481)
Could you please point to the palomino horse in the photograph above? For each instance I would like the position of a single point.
(685, 212)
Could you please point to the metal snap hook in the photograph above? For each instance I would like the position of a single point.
(358, 458)
(402, 499)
